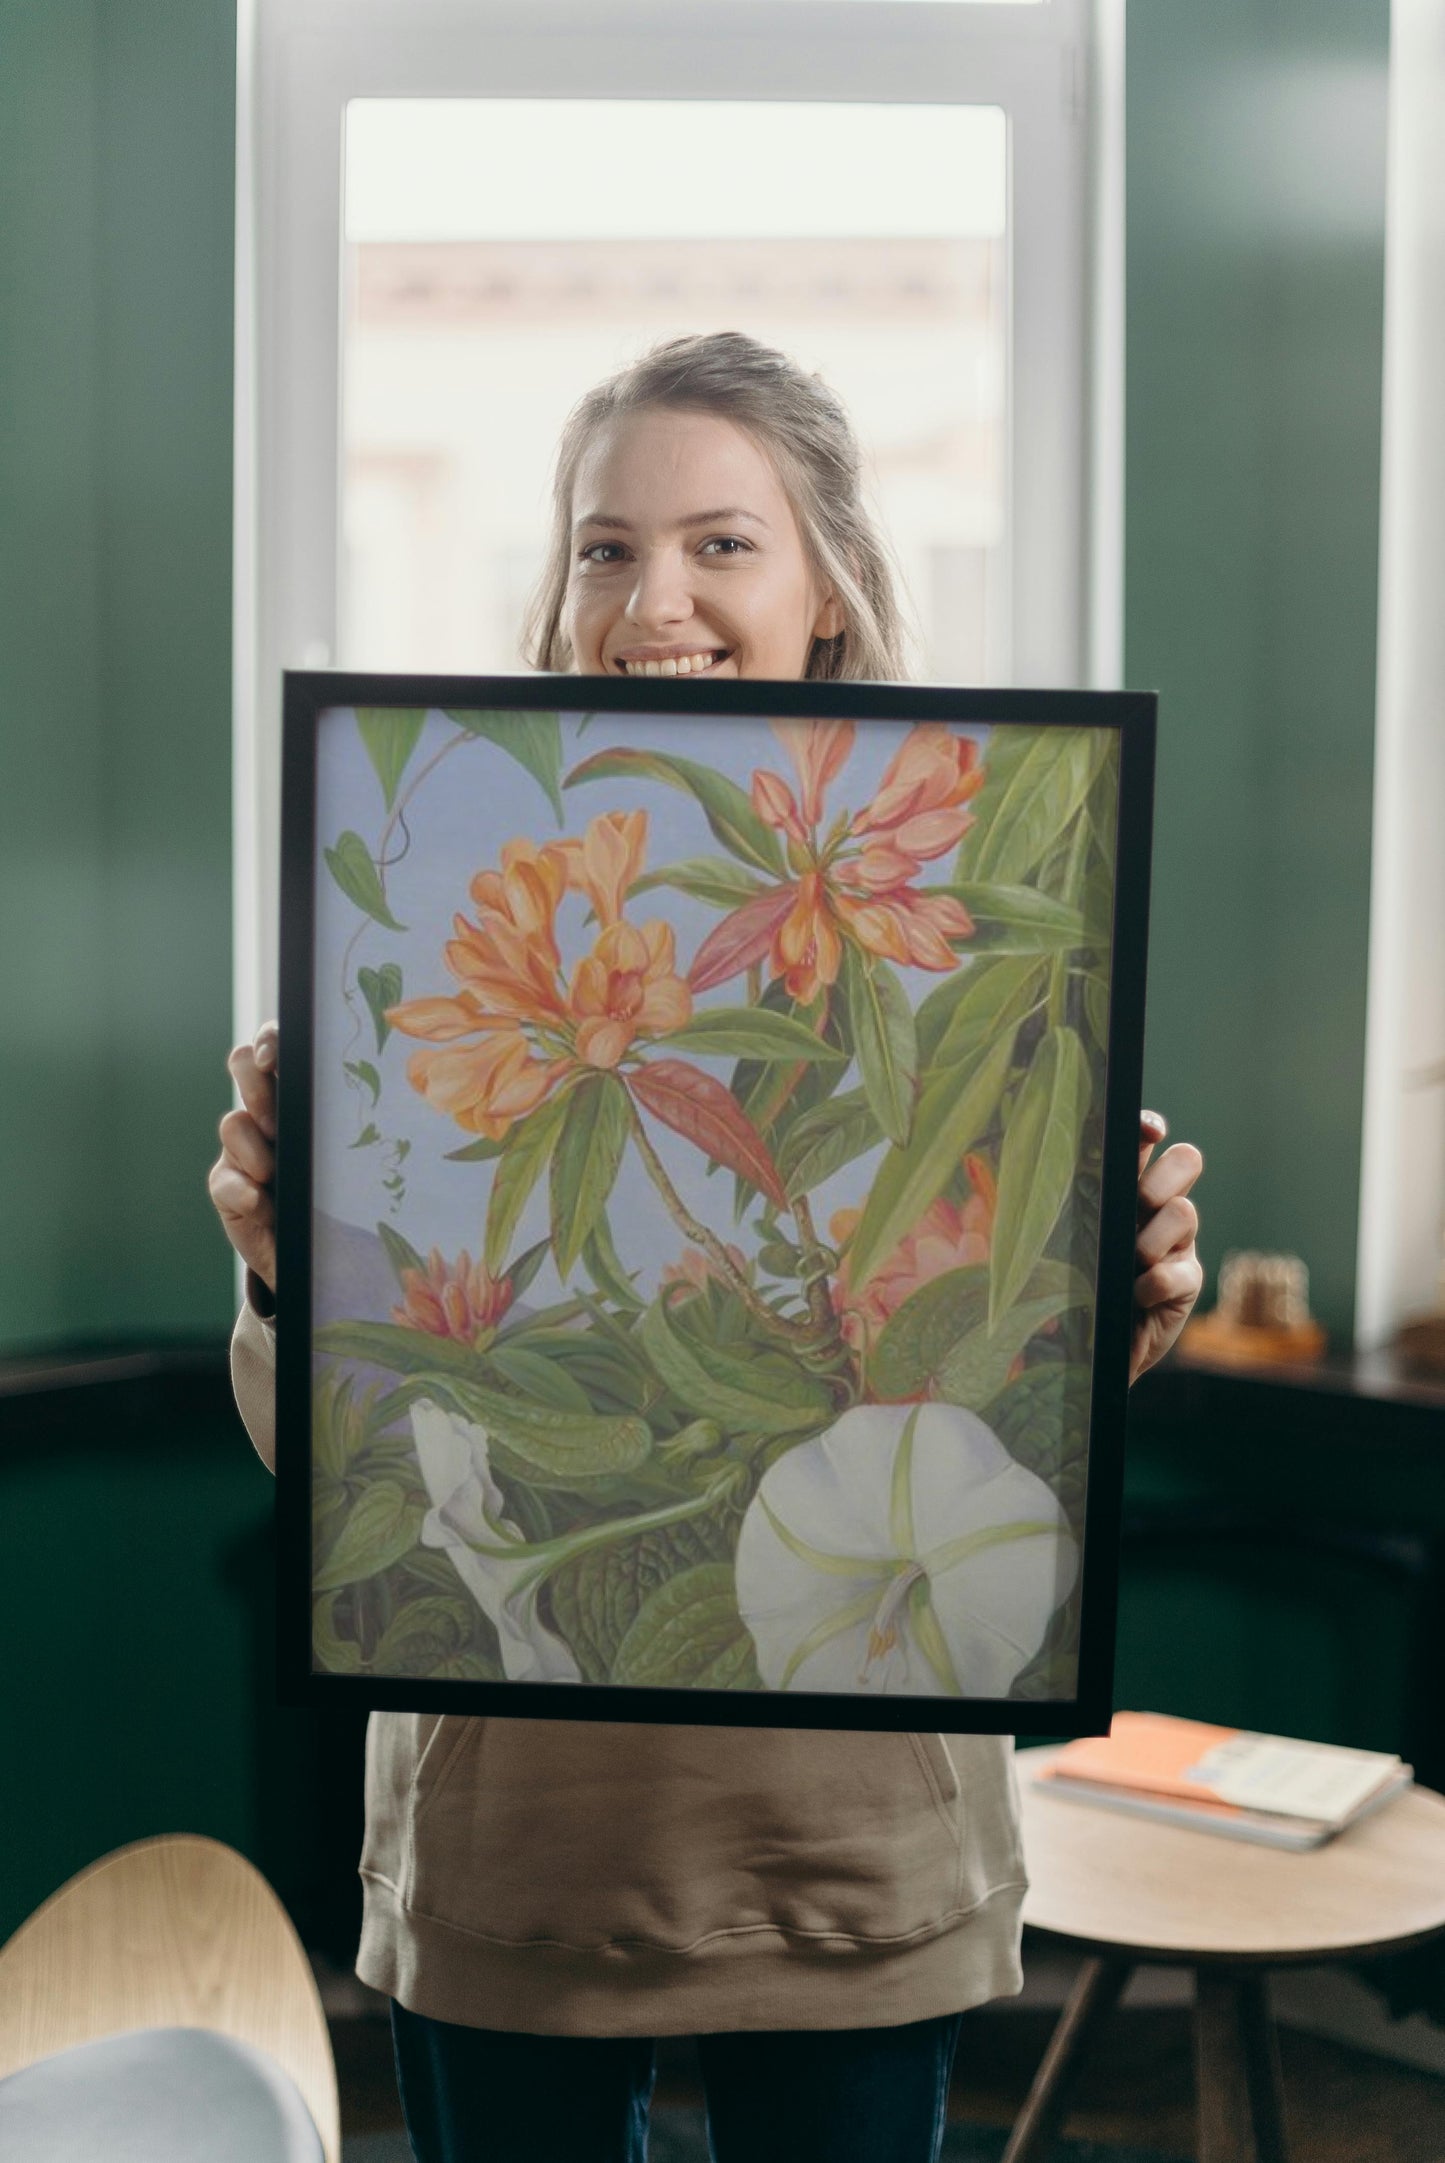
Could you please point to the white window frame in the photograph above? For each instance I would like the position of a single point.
(1402, 1166)
(1056, 69)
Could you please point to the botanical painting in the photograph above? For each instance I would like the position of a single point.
(706, 1171)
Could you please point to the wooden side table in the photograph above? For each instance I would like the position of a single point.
(1125, 1890)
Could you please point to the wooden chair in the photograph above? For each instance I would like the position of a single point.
(175, 1932)
(1125, 1890)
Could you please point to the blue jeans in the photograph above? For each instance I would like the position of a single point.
(833, 2095)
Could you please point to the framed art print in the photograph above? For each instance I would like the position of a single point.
(708, 1140)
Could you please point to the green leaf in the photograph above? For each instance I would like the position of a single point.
(424, 1631)
(521, 1164)
(556, 1447)
(921, 1333)
(366, 1074)
(538, 1377)
(389, 734)
(900, 1491)
(399, 1252)
(472, 1666)
(725, 807)
(331, 1654)
(533, 739)
(1096, 1008)
(1038, 1164)
(967, 1008)
(953, 1111)
(823, 1140)
(751, 1032)
(376, 1532)
(1008, 744)
(380, 988)
(521, 1272)
(1044, 793)
(1017, 919)
(481, 1151)
(1103, 808)
(690, 1636)
(596, 1596)
(744, 1393)
(605, 1267)
(350, 864)
(1098, 903)
(337, 1426)
(1042, 1416)
(885, 1041)
(585, 1163)
(977, 1368)
(396, 1348)
(369, 1134)
(705, 878)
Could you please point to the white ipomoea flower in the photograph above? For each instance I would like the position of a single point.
(466, 1519)
(902, 1551)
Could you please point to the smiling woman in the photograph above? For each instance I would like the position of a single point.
(645, 577)
(543, 1897)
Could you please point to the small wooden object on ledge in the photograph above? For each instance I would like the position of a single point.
(1420, 1342)
(1263, 1316)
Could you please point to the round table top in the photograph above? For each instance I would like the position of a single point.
(1165, 1892)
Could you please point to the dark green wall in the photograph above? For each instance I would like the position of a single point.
(117, 133)
(1255, 266)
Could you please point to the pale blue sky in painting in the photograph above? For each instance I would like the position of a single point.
(477, 799)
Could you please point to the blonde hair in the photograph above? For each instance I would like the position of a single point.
(804, 428)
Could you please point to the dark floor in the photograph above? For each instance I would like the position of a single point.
(1343, 2105)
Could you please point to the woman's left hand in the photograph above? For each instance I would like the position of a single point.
(1168, 1276)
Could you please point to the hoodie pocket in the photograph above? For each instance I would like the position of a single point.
(592, 1834)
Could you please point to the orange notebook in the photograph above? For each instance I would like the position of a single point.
(1193, 1762)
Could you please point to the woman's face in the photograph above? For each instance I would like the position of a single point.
(686, 557)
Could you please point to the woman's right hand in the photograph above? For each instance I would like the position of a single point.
(241, 1178)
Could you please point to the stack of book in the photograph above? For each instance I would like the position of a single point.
(1269, 1788)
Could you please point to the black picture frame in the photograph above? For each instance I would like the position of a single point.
(1131, 716)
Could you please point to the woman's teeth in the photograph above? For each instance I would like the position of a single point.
(686, 664)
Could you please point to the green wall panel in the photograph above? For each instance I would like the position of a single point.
(117, 133)
(1255, 263)
(53, 1149)
(124, 1576)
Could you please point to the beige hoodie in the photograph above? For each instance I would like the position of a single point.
(564, 1877)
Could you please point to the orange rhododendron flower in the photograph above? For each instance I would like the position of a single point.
(949, 1235)
(627, 987)
(604, 863)
(486, 1085)
(516, 1026)
(931, 775)
(460, 1299)
(806, 950)
(857, 883)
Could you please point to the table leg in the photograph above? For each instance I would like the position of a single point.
(1261, 2044)
(1095, 1993)
(1241, 2116)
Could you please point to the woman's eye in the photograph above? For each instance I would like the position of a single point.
(602, 552)
(726, 544)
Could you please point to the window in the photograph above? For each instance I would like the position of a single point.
(452, 223)
(475, 316)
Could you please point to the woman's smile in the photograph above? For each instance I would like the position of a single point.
(672, 660)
